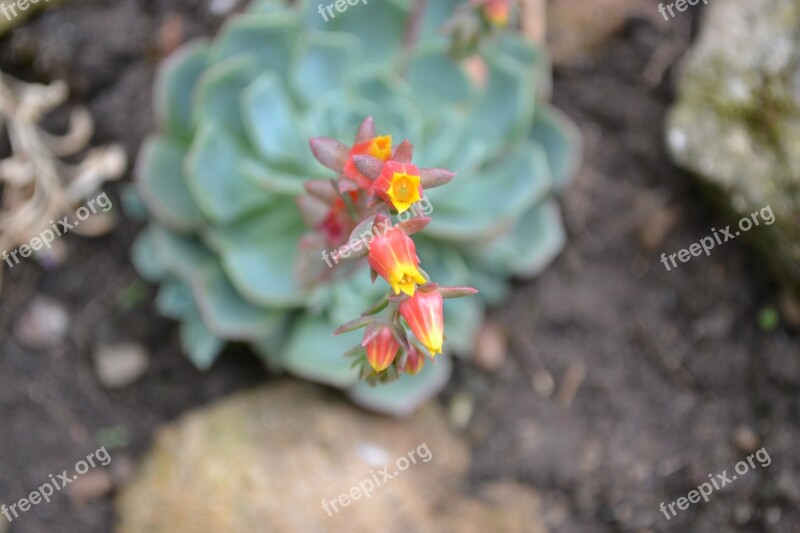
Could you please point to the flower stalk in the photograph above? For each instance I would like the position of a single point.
(376, 182)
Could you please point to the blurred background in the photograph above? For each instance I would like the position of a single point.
(606, 386)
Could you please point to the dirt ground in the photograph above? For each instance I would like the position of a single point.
(625, 386)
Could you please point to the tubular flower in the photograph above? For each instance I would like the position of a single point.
(381, 348)
(399, 185)
(393, 256)
(377, 147)
(497, 12)
(424, 313)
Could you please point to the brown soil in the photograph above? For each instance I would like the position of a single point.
(674, 362)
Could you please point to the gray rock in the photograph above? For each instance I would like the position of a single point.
(266, 460)
(737, 120)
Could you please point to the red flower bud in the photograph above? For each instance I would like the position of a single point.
(415, 361)
(381, 348)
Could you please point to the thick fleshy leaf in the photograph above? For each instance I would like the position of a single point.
(520, 49)
(183, 257)
(312, 352)
(230, 316)
(201, 345)
(462, 321)
(351, 297)
(161, 184)
(321, 62)
(402, 397)
(457, 292)
(435, 78)
(271, 122)
(440, 144)
(369, 166)
(215, 177)
(356, 323)
(259, 255)
(380, 86)
(483, 205)
(533, 243)
(338, 114)
(504, 110)
(330, 152)
(268, 38)
(494, 286)
(379, 26)
(218, 95)
(404, 153)
(435, 177)
(271, 180)
(562, 142)
(366, 131)
(144, 258)
(176, 81)
(437, 13)
(175, 299)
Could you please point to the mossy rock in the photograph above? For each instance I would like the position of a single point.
(736, 123)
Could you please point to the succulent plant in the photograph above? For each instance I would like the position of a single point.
(221, 177)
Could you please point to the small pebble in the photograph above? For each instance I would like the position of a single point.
(490, 347)
(43, 325)
(543, 383)
(120, 365)
(461, 408)
(90, 486)
(746, 439)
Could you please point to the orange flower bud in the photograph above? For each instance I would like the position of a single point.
(399, 185)
(381, 348)
(424, 313)
(394, 257)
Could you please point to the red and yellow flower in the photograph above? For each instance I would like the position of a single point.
(399, 185)
(424, 313)
(393, 256)
(381, 348)
(378, 147)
